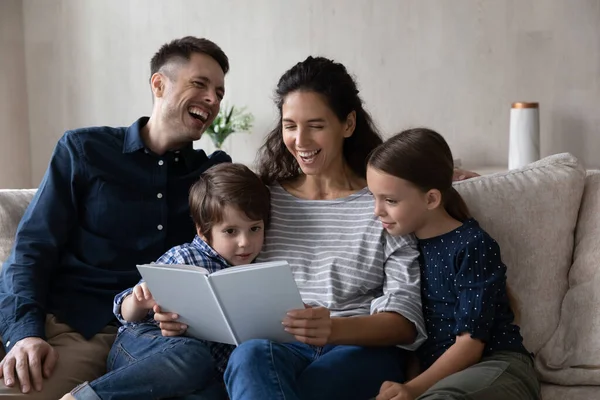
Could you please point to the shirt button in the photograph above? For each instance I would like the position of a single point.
(159, 195)
(146, 151)
(159, 227)
(176, 159)
(7, 343)
(161, 162)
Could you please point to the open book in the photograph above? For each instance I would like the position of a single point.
(230, 306)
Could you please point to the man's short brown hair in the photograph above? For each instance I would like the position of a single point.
(228, 184)
(182, 49)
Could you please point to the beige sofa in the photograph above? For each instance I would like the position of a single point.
(546, 218)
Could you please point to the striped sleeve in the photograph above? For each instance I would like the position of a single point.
(402, 285)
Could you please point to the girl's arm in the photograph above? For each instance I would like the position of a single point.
(461, 355)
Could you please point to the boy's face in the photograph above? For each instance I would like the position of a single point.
(237, 239)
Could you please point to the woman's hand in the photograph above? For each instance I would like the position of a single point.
(394, 391)
(311, 325)
(461, 174)
(168, 323)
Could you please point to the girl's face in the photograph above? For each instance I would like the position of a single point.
(313, 133)
(401, 207)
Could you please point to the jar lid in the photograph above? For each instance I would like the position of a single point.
(525, 105)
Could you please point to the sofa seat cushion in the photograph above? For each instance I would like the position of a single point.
(554, 392)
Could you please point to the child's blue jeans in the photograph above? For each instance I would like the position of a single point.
(143, 364)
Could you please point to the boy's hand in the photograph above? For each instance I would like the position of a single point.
(168, 322)
(142, 298)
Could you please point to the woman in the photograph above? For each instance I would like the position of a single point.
(360, 285)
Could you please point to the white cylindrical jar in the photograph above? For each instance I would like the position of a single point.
(524, 140)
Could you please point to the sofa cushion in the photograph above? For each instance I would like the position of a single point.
(532, 213)
(554, 392)
(12, 207)
(572, 355)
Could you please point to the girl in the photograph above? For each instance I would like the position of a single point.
(473, 349)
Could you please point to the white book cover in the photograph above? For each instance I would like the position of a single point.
(232, 305)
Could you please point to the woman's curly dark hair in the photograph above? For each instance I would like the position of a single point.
(334, 83)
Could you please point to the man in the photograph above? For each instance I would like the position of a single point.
(110, 199)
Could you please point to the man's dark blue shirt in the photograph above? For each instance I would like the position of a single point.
(105, 204)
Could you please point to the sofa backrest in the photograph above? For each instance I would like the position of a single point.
(532, 213)
(572, 355)
(12, 207)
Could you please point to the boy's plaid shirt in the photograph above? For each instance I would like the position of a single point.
(197, 253)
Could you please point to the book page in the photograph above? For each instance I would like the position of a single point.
(196, 268)
(241, 268)
(186, 291)
(256, 298)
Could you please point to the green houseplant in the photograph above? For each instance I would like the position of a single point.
(229, 120)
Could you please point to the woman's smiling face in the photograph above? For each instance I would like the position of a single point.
(312, 133)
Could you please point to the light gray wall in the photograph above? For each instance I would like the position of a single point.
(15, 170)
(455, 66)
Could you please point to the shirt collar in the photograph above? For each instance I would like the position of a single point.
(133, 142)
(205, 248)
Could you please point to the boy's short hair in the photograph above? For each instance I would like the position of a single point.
(228, 184)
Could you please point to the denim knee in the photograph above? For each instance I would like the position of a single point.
(250, 350)
(254, 349)
(189, 359)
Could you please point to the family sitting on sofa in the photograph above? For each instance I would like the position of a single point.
(384, 251)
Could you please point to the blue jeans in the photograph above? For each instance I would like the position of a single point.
(143, 364)
(261, 369)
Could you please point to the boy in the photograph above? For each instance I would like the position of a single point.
(230, 207)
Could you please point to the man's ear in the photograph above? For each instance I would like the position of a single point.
(157, 84)
(433, 198)
(350, 124)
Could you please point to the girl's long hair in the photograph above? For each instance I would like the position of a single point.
(423, 157)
